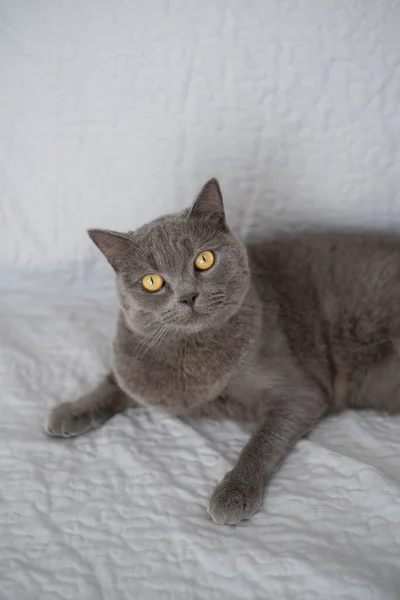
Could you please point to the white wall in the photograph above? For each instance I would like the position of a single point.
(112, 112)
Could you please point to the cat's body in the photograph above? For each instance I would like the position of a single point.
(337, 297)
(278, 335)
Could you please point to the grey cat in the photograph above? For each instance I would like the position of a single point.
(279, 334)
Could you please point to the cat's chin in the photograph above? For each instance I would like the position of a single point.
(198, 322)
(192, 326)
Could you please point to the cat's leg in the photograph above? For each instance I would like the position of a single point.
(89, 411)
(241, 492)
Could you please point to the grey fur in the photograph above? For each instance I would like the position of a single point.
(283, 333)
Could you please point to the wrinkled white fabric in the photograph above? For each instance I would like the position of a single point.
(112, 113)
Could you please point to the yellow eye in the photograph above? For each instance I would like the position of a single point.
(152, 282)
(205, 260)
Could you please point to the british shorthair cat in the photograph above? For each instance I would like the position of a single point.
(278, 334)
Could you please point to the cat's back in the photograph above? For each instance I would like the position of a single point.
(338, 297)
(338, 301)
(329, 261)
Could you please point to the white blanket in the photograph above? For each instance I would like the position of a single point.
(112, 113)
(120, 513)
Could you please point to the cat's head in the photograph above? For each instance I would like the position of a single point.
(186, 270)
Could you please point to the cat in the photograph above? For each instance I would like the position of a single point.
(278, 334)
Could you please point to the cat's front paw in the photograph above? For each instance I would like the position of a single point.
(234, 500)
(67, 420)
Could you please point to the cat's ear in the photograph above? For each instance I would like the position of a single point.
(209, 201)
(115, 246)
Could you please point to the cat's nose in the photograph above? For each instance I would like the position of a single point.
(189, 298)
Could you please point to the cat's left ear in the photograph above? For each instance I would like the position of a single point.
(115, 246)
(209, 202)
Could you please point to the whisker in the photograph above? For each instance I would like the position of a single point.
(154, 340)
(156, 320)
(147, 339)
(158, 338)
(244, 308)
(161, 340)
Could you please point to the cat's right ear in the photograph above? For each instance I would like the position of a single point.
(209, 202)
(115, 246)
